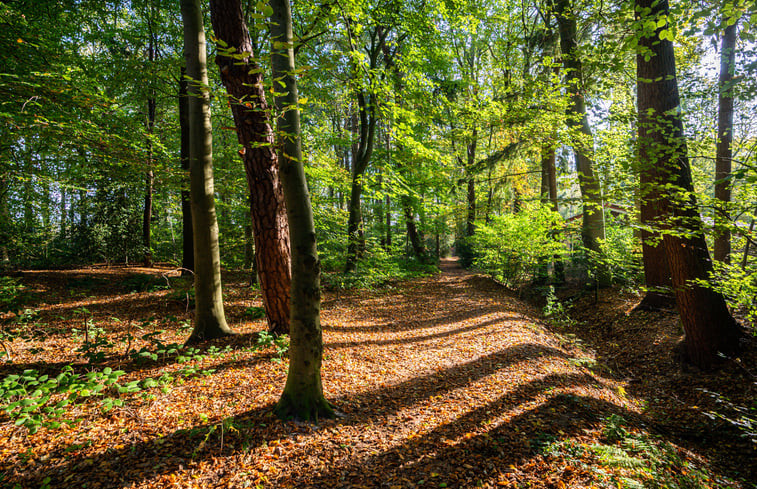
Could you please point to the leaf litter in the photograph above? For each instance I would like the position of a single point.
(445, 381)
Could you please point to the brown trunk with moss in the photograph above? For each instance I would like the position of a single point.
(210, 321)
(709, 327)
(244, 83)
(303, 393)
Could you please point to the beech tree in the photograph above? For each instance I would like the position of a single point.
(303, 393)
(592, 228)
(709, 327)
(210, 321)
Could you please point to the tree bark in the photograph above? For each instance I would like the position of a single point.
(708, 325)
(355, 233)
(187, 257)
(303, 393)
(724, 153)
(149, 174)
(592, 227)
(416, 241)
(244, 82)
(210, 321)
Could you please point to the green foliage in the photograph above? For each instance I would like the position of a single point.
(33, 400)
(555, 310)
(620, 254)
(254, 312)
(280, 344)
(739, 286)
(512, 247)
(11, 295)
(633, 460)
(378, 267)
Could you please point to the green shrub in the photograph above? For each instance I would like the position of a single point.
(513, 246)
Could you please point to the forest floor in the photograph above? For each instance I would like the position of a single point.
(444, 381)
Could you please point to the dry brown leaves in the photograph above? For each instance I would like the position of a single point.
(447, 381)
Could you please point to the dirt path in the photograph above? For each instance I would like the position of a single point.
(446, 381)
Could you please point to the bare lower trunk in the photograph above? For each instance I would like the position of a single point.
(243, 81)
(724, 153)
(188, 254)
(303, 393)
(210, 321)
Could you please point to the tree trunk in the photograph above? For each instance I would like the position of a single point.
(722, 248)
(210, 321)
(592, 227)
(303, 393)
(149, 174)
(244, 82)
(188, 254)
(364, 150)
(471, 159)
(708, 325)
(549, 195)
(416, 241)
(388, 225)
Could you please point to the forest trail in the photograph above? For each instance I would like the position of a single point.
(443, 381)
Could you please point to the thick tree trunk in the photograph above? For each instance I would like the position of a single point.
(592, 228)
(722, 248)
(210, 321)
(188, 253)
(244, 82)
(708, 325)
(303, 393)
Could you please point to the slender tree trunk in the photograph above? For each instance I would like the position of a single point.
(63, 211)
(416, 241)
(244, 82)
(5, 221)
(592, 228)
(388, 225)
(210, 321)
(303, 393)
(549, 195)
(722, 248)
(188, 254)
(362, 156)
(708, 325)
(471, 159)
(149, 174)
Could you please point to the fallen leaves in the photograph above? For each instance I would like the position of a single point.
(443, 382)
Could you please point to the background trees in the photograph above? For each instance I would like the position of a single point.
(427, 129)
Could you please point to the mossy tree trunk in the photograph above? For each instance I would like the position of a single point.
(210, 321)
(303, 393)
